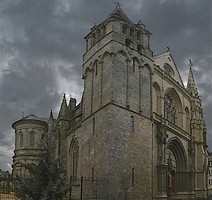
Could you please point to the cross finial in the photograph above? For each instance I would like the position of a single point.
(190, 63)
(168, 49)
(117, 4)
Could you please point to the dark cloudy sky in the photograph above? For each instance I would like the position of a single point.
(42, 43)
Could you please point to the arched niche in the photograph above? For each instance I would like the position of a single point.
(73, 159)
(105, 56)
(95, 67)
(187, 119)
(156, 98)
(135, 64)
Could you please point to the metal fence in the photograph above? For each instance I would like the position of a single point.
(85, 188)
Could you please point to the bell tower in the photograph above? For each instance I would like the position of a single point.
(116, 64)
(117, 73)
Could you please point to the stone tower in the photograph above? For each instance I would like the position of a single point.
(111, 136)
(28, 133)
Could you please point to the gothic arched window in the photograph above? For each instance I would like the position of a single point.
(124, 29)
(21, 135)
(74, 158)
(157, 98)
(170, 108)
(31, 138)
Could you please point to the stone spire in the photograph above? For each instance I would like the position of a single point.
(191, 86)
(119, 14)
(63, 113)
(64, 104)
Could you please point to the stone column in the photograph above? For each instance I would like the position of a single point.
(162, 181)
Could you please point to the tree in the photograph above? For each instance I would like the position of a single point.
(46, 179)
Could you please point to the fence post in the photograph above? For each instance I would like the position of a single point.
(81, 186)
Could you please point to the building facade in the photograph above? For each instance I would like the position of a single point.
(28, 133)
(6, 186)
(137, 124)
(210, 175)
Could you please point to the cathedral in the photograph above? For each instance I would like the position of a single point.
(137, 126)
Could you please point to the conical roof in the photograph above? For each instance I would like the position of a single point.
(28, 118)
(119, 14)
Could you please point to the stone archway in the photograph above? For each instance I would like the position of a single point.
(177, 174)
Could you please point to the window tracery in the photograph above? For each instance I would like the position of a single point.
(168, 70)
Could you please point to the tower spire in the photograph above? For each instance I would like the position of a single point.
(117, 4)
(119, 14)
(191, 86)
(64, 100)
(63, 108)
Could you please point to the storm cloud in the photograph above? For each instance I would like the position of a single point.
(41, 49)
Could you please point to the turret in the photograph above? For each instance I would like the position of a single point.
(28, 134)
(197, 121)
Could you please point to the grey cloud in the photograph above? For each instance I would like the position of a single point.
(41, 48)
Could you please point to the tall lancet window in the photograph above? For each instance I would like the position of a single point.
(32, 139)
(21, 135)
(169, 108)
(74, 159)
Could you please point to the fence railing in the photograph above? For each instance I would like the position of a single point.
(88, 188)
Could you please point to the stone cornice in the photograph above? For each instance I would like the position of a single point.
(172, 127)
(29, 121)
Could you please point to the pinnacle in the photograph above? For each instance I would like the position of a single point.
(51, 115)
(191, 87)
